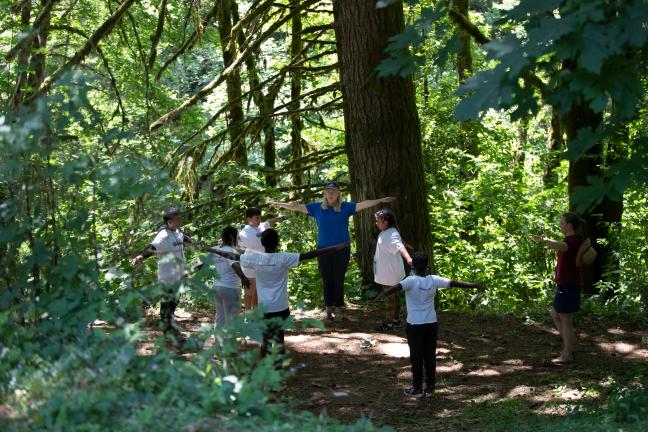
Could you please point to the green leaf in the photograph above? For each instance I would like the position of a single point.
(486, 87)
(595, 48)
(585, 140)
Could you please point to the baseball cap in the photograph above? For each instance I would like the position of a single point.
(332, 185)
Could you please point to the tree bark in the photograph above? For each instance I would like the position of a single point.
(554, 146)
(382, 129)
(580, 117)
(232, 83)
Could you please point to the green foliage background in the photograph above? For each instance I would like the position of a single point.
(82, 183)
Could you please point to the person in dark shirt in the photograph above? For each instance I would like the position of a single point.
(568, 282)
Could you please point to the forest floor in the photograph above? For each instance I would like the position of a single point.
(491, 369)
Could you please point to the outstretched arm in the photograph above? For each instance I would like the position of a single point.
(229, 255)
(301, 208)
(403, 252)
(239, 272)
(317, 252)
(389, 291)
(272, 222)
(554, 244)
(460, 284)
(370, 203)
(148, 251)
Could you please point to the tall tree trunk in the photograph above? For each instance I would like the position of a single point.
(612, 212)
(464, 66)
(265, 105)
(23, 61)
(590, 164)
(232, 82)
(519, 155)
(382, 129)
(296, 46)
(554, 145)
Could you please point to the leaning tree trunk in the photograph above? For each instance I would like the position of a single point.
(382, 130)
(296, 47)
(232, 83)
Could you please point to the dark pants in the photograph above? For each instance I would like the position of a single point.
(333, 267)
(167, 310)
(422, 341)
(274, 333)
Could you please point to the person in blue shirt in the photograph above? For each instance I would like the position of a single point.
(332, 218)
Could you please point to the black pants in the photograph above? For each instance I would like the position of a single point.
(422, 341)
(167, 310)
(274, 333)
(333, 267)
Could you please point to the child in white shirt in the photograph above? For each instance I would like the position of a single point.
(422, 327)
(388, 263)
(227, 286)
(271, 269)
(250, 240)
(168, 245)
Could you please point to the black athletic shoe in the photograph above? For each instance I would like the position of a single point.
(428, 392)
(385, 327)
(415, 393)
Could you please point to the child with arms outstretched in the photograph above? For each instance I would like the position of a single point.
(422, 326)
(271, 270)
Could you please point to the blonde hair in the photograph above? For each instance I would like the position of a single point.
(336, 207)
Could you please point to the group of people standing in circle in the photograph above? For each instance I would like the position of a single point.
(262, 270)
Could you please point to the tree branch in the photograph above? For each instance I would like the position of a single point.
(464, 23)
(35, 31)
(158, 34)
(177, 112)
(91, 44)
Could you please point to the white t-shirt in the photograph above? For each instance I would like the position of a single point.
(419, 297)
(271, 277)
(250, 239)
(226, 276)
(169, 248)
(388, 264)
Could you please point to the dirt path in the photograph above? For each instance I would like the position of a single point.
(349, 370)
(489, 369)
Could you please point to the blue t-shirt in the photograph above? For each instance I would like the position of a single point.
(332, 226)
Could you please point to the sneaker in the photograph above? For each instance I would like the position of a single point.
(175, 334)
(385, 327)
(428, 392)
(415, 393)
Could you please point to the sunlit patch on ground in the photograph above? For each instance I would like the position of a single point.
(484, 372)
(521, 390)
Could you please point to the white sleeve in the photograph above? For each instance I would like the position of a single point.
(395, 243)
(243, 238)
(291, 260)
(407, 283)
(247, 261)
(218, 259)
(159, 241)
(438, 281)
(264, 226)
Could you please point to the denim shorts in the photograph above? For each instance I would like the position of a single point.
(567, 298)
